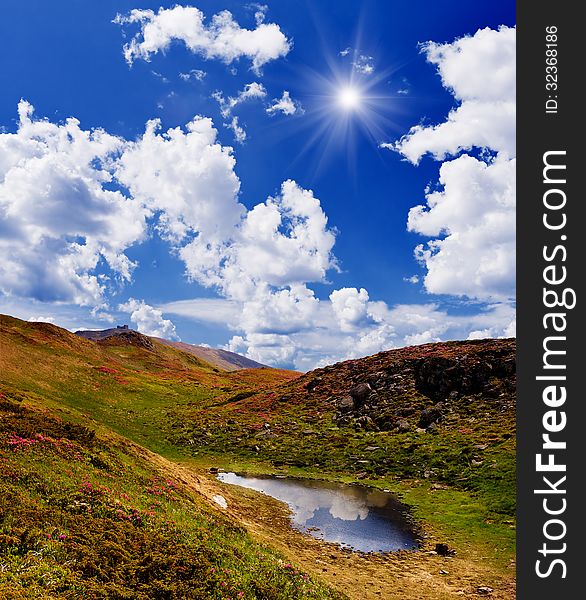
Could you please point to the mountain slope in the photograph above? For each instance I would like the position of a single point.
(129, 382)
(223, 359)
(434, 423)
(90, 516)
(443, 412)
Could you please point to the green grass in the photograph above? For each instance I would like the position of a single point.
(188, 411)
(82, 519)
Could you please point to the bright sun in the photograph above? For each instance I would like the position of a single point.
(349, 98)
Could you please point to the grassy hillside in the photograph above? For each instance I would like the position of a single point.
(130, 388)
(129, 427)
(82, 516)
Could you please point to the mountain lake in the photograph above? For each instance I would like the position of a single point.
(356, 517)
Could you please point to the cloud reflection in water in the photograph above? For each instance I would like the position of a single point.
(364, 519)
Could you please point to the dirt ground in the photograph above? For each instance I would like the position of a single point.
(404, 575)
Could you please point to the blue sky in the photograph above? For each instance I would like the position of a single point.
(343, 102)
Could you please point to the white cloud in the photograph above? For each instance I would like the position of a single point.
(186, 177)
(479, 71)
(212, 310)
(471, 216)
(280, 242)
(364, 64)
(222, 38)
(475, 212)
(238, 131)
(251, 91)
(473, 124)
(350, 307)
(196, 74)
(260, 12)
(41, 319)
(149, 320)
(286, 105)
(60, 224)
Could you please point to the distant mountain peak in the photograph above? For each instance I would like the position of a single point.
(223, 359)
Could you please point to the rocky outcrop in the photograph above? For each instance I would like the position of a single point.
(128, 337)
(415, 388)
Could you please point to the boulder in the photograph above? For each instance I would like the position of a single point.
(360, 392)
(345, 404)
(437, 377)
(403, 425)
(444, 550)
(311, 385)
(429, 416)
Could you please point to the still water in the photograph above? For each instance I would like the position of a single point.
(352, 516)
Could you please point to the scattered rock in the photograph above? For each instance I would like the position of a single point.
(437, 376)
(266, 434)
(439, 486)
(429, 416)
(484, 590)
(444, 550)
(213, 470)
(406, 411)
(403, 425)
(365, 422)
(220, 501)
(311, 385)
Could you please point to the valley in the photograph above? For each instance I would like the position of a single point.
(115, 444)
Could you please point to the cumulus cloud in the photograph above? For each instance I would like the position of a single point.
(475, 210)
(222, 38)
(479, 71)
(285, 104)
(471, 215)
(184, 176)
(64, 233)
(280, 242)
(78, 198)
(350, 307)
(149, 320)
